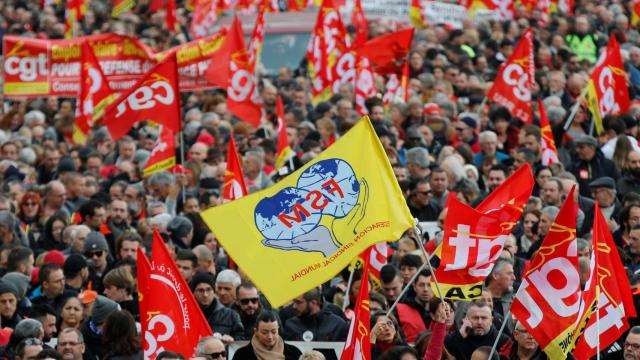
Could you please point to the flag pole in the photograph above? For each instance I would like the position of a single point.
(406, 288)
(574, 111)
(428, 260)
(598, 320)
(345, 303)
(482, 104)
(184, 196)
(504, 323)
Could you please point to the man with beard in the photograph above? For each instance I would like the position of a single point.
(633, 250)
(47, 317)
(222, 320)
(476, 331)
(312, 322)
(119, 217)
(630, 180)
(248, 306)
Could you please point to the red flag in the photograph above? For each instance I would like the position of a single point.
(297, 5)
(397, 90)
(416, 14)
(230, 69)
(515, 79)
(163, 155)
(205, 14)
(607, 89)
(284, 151)
(635, 13)
(549, 151)
(365, 86)
(548, 300)
(388, 52)
(473, 238)
(170, 16)
(611, 287)
(255, 43)
(234, 187)
(155, 97)
(74, 12)
(94, 94)
(175, 320)
(155, 5)
(359, 21)
(357, 346)
(326, 46)
(144, 277)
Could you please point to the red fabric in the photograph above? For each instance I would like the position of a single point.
(357, 344)
(161, 102)
(411, 322)
(167, 301)
(436, 343)
(359, 21)
(384, 51)
(5, 334)
(234, 186)
(54, 257)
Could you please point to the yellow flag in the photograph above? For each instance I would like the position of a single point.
(303, 230)
(593, 105)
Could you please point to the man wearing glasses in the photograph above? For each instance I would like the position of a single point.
(210, 346)
(632, 344)
(248, 306)
(71, 344)
(96, 251)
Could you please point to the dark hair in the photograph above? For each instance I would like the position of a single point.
(435, 302)
(46, 270)
(88, 209)
(46, 241)
(245, 285)
(48, 354)
(119, 334)
(378, 314)
(486, 350)
(379, 298)
(17, 256)
(187, 255)
(127, 236)
(266, 316)
(411, 260)
(169, 355)
(40, 311)
(397, 352)
(388, 273)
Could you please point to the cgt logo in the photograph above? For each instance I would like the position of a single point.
(147, 96)
(606, 87)
(26, 66)
(515, 76)
(302, 217)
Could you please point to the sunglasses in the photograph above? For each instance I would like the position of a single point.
(91, 254)
(250, 300)
(216, 355)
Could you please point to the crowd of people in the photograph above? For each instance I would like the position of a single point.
(72, 217)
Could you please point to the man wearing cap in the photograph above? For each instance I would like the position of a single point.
(91, 328)
(97, 252)
(8, 305)
(223, 320)
(603, 190)
(180, 230)
(466, 132)
(591, 164)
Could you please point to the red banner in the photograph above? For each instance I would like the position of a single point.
(163, 154)
(515, 80)
(548, 300)
(256, 41)
(155, 98)
(474, 238)
(612, 290)
(172, 315)
(358, 345)
(234, 187)
(548, 144)
(34, 67)
(387, 53)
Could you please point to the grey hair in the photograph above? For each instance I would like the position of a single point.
(162, 178)
(8, 219)
(28, 328)
(161, 220)
(228, 276)
(418, 156)
(500, 264)
(75, 331)
(487, 135)
(256, 154)
(202, 252)
(202, 343)
(454, 165)
(583, 244)
(556, 114)
(28, 155)
(77, 228)
(552, 211)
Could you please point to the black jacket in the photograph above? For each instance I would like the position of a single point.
(628, 183)
(462, 348)
(224, 320)
(325, 326)
(587, 171)
(246, 353)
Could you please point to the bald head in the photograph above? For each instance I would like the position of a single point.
(198, 151)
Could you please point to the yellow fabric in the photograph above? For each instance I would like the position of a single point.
(302, 231)
(159, 166)
(594, 107)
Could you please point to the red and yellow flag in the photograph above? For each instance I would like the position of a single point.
(358, 344)
(515, 80)
(172, 318)
(328, 42)
(256, 41)
(549, 150)
(609, 290)
(94, 94)
(548, 300)
(234, 186)
(607, 91)
(284, 151)
(230, 68)
(119, 7)
(74, 12)
(156, 97)
(163, 155)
